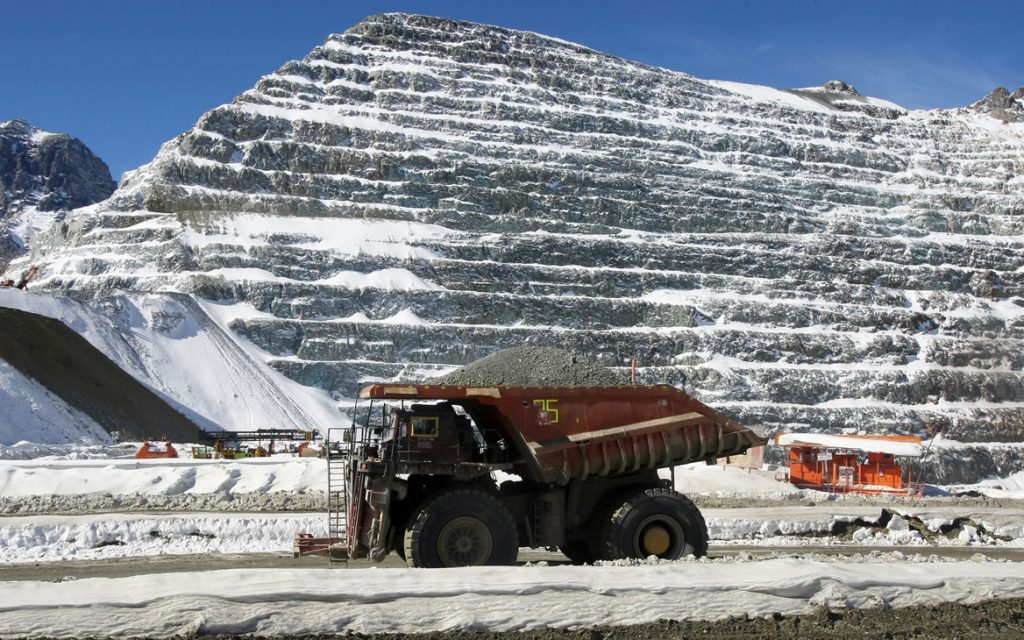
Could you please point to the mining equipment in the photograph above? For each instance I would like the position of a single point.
(231, 444)
(455, 475)
(150, 450)
(23, 281)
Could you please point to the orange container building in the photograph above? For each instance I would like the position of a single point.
(851, 464)
(149, 450)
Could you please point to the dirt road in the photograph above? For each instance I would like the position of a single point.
(123, 567)
(991, 620)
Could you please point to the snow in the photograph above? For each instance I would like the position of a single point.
(20, 478)
(700, 478)
(768, 94)
(1009, 487)
(38, 135)
(879, 102)
(405, 316)
(178, 347)
(393, 279)
(1012, 483)
(28, 223)
(273, 602)
(104, 536)
(875, 445)
(27, 407)
(344, 236)
(97, 330)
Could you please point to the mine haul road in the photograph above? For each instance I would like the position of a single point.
(139, 565)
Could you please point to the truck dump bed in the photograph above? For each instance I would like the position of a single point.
(572, 433)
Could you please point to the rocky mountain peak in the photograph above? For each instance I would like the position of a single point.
(17, 126)
(1002, 104)
(42, 173)
(839, 86)
(50, 171)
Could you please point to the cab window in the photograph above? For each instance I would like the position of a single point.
(423, 426)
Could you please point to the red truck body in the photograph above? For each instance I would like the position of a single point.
(421, 475)
(572, 433)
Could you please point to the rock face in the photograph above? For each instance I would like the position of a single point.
(41, 174)
(418, 193)
(1002, 104)
(840, 86)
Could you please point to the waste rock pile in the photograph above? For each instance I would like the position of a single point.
(532, 367)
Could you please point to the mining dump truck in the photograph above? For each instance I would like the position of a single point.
(454, 475)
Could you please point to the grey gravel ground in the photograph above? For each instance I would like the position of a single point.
(532, 367)
(992, 620)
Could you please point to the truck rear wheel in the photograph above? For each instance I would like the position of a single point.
(459, 528)
(652, 522)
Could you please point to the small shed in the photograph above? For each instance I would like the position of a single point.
(867, 464)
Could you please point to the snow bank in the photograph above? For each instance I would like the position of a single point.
(1011, 487)
(56, 538)
(700, 478)
(161, 477)
(272, 602)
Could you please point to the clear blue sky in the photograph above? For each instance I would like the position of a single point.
(127, 76)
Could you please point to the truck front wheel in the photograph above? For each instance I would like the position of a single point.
(653, 522)
(459, 528)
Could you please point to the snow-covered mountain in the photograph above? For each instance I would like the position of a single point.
(419, 192)
(42, 174)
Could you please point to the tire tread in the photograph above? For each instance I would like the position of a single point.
(619, 506)
(422, 516)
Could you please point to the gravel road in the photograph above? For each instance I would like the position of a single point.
(123, 567)
(991, 620)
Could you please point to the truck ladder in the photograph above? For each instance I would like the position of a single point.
(337, 495)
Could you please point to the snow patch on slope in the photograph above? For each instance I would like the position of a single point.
(768, 94)
(343, 236)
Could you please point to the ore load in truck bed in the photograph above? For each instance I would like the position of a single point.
(532, 367)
